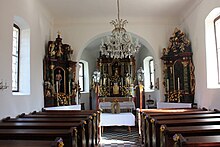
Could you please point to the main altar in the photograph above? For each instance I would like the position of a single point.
(117, 80)
(117, 77)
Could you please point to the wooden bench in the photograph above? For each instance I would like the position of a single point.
(176, 117)
(82, 116)
(196, 141)
(156, 126)
(68, 111)
(146, 116)
(84, 127)
(141, 113)
(32, 143)
(95, 113)
(168, 133)
(79, 132)
(40, 134)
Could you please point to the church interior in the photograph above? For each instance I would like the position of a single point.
(107, 67)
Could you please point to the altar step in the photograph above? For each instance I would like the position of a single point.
(120, 137)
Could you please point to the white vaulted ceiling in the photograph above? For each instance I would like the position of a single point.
(76, 10)
(103, 11)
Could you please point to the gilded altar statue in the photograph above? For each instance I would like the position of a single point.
(115, 89)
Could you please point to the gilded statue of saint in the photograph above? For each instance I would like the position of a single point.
(127, 80)
(51, 49)
(104, 79)
(59, 52)
(115, 88)
(58, 80)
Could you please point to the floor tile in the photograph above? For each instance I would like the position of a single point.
(120, 137)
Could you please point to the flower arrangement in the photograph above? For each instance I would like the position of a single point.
(116, 101)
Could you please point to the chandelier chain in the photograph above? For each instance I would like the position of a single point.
(118, 9)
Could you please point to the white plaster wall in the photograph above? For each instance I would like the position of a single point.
(156, 33)
(40, 24)
(194, 25)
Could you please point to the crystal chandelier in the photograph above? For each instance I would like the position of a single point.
(119, 44)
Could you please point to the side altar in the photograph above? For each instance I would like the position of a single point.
(60, 86)
(178, 69)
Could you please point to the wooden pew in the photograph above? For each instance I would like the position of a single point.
(168, 137)
(82, 116)
(69, 111)
(40, 134)
(32, 143)
(176, 117)
(34, 126)
(93, 117)
(156, 126)
(196, 141)
(87, 124)
(142, 113)
(146, 129)
(95, 113)
(188, 116)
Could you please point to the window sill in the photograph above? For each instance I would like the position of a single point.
(20, 93)
(149, 90)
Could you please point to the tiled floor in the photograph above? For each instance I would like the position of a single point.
(120, 137)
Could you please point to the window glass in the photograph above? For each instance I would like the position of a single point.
(149, 72)
(81, 76)
(151, 69)
(15, 58)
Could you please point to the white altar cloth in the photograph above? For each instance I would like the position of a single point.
(123, 105)
(70, 107)
(173, 105)
(121, 119)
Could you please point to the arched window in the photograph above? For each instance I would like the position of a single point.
(212, 37)
(21, 57)
(81, 76)
(149, 76)
(84, 76)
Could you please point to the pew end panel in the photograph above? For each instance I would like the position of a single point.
(196, 141)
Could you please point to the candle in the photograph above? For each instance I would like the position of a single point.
(121, 81)
(168, 85)
(178, 83)
(69, 89)
(57, 86)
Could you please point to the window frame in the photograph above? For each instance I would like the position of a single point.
(18, 55)
(216, 44)
(81, 64)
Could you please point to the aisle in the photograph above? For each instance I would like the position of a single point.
(120, 137)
